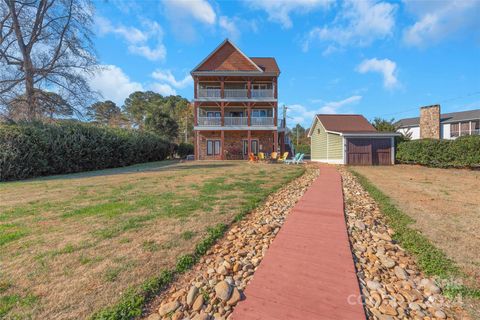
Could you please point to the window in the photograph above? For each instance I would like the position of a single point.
(213, 147)
(465, 128)
(259, 113)
(263, 86)
(214, 114)
(253, 147)
(454, 130)
(476, 127)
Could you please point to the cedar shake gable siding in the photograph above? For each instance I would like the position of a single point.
(227, 58)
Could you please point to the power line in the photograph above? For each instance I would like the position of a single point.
(439, 102)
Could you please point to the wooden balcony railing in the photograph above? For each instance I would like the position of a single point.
(235, 93)
(262, 93)
(209, 121)
(235, 121)
(262, 121)
(209, 93)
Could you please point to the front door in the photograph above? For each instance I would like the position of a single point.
(253, 147)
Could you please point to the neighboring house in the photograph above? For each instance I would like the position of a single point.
(432, 124)
(235, 105)
(350, 139)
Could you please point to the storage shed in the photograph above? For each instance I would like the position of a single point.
(350, 139)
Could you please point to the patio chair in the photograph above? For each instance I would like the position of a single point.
(252, 158)
(274, 157)
(293, 159)
(261, 156)
(284, 157)
(300, 159)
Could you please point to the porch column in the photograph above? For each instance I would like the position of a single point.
(282, 142)
(195, 87)
(222, 88)
(222, 141)
(249, 142)
(222, 113)
(249, 115)
(275, 141)
(275, 89)
(275, 116)
(195, 113)
(249, 88)
(197, 145)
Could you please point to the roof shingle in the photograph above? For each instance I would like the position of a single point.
(345, 123)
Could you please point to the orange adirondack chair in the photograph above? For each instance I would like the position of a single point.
(252, 158)
(274, 156)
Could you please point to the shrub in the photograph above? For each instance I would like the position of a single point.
(462, 152)
(184, 149)
(37, 149)
(302, 148)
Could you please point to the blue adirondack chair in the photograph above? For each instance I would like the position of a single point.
(294, 159)
(300, 159)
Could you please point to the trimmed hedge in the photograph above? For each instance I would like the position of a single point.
(38, 149)
(184, 149)
(463, 152)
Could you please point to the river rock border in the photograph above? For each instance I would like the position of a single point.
(215, 285)
(392, 285)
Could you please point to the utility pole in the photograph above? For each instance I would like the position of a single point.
(186, 128)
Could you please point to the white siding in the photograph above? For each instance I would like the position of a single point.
(414, 131)
(446, 131)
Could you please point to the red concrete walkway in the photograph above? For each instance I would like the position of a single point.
(308, 271)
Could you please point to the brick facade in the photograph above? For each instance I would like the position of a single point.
(232, 147)
(430, 122)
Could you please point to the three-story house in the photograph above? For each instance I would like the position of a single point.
(235, 105)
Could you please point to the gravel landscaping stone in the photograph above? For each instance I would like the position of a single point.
(216, 283)
(393, 287)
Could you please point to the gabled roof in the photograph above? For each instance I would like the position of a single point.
(444, 118)
(227, 57)
(345, 123)
(267, 64)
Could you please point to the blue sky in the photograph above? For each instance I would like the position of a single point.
(377, 58)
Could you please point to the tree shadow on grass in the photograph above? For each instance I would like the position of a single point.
(157, 166)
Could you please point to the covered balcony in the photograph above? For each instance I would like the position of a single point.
(236, 117)
(235, 91)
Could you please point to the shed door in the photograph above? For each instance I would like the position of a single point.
(369, 151)
(359, 151)
(382, 149)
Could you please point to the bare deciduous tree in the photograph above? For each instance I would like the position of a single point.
(45, 46)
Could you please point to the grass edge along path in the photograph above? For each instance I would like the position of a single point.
(431, 260)
(133, 301)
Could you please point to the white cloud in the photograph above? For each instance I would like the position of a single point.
(230, 27)
(303, 115)
(138, 40)
(163, 88)
(199, 10)
(386, 67)
(439, 19)
(113, 84)
(280, 10)
(358, 23)
(158, 53)
(167, 76)
(183, 14)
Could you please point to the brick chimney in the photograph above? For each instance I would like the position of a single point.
(430, 122)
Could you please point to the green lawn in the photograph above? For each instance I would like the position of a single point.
(72, 244)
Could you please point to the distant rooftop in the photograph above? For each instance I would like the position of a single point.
(444, 118)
